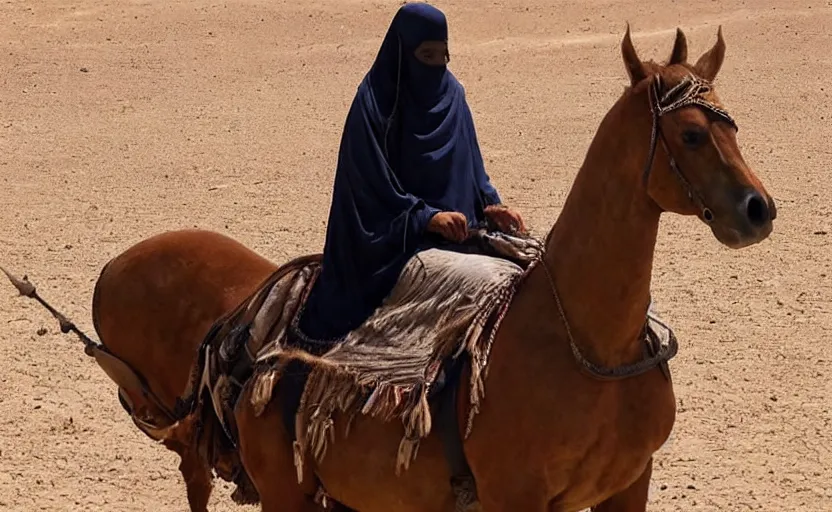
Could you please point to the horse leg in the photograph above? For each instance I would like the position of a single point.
(631, 499)
(266, 453)
(197, 475)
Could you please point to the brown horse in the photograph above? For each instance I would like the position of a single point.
(152, 308)
(550, 436)
(554, 435)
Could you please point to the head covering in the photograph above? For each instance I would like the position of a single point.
(408, 151)
(397, 69)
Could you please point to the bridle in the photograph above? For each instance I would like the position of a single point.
(690, 91)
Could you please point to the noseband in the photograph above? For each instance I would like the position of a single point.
(690, 91)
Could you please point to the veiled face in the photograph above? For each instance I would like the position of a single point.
(433, 53)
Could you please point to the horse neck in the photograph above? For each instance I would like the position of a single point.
(600, 251)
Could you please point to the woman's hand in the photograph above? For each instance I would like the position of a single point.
(506, 219)
(450, 225)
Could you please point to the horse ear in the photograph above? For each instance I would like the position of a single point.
(710, 62)
(679, 55)
(631, 61)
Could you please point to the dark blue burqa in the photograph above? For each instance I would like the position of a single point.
(408, 151)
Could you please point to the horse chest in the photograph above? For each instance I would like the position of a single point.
(623, 431)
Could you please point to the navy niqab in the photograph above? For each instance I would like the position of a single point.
(408, 151)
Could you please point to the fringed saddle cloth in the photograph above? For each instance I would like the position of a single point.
(445, 303)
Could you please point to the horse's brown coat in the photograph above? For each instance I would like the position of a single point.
(154, 304)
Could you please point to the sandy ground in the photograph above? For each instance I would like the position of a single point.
(121, 119)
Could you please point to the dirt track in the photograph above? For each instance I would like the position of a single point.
(121, 121)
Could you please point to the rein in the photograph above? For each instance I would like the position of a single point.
(658, 354)
(690, 91)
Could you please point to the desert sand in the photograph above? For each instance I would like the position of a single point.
(122, 119)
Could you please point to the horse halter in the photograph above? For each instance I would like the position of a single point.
(690, 91)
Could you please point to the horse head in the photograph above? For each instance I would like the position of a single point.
(695, 166)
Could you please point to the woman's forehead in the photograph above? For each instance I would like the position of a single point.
(420, 22)
(433, 45)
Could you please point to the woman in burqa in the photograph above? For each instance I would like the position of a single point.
(410, 176)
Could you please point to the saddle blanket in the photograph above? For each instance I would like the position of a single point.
(445, 304)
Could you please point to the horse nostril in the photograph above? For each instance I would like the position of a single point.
(757, 209)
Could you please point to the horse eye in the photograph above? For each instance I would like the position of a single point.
(694, 138)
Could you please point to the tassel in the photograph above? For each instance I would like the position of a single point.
(297, 452)
(408, 449)
(261, 394)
